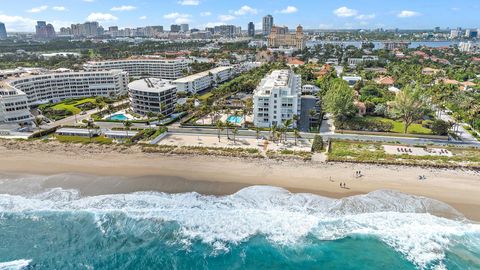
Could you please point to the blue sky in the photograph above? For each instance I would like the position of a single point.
(20, 15)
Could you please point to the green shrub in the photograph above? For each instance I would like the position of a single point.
(317, 145)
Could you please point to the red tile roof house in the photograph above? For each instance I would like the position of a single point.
(385, 81)
(295, 61)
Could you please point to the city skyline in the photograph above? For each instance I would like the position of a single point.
(346, 14)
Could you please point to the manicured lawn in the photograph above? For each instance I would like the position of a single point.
(398, 126)
(85, 140)
(72, 105)
(205, 96)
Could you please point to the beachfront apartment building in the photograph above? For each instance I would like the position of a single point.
(203, 80)
(152, 95)
(13, 105)
(277, 99)
(168, 69)
(54, 87)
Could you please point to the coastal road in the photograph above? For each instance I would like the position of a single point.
(330, 135)
(464, 135)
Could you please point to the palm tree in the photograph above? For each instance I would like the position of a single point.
(296, 133)
(110, 109)
(257, 132)
(127, 125)
(160, 117)
(235, 132)
(273, 131)
(286, 124)
(228, 125)
(38, 121)
(204, 111)
(89, 125)
(219, 128)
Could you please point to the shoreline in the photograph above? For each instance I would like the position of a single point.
(129, 170)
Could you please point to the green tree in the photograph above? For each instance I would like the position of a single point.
(339, 100)
(219, 125)
(38, 121)
(409, 106)
(127, 125)
(440, 127)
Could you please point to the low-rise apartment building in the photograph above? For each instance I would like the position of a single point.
(168, 69)
(277, 99)
(54, 87)
(13, 105)
(152, 95)
(203, 80)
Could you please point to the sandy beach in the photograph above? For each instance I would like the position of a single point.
(128, 169)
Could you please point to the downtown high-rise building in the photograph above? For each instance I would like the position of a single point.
(267, 25)
(44, 30)
(251, 29)
(175, 28)
(88, 29)
(3, 31)
(184, 27)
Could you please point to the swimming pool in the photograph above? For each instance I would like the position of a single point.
(235, 119)
(118, 117)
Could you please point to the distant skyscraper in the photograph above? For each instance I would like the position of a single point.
(267, 24)
(251, 29)
(175, 28)
(44, 30)
(184, 27)
(3, 31)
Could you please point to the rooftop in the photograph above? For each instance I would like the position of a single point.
(152, 85)
(202, 74)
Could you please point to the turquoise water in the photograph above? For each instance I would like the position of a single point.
(235, 119)
(255, 228)
(118, 117)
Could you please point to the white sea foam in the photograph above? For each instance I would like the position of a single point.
(14, 265)
(402, 221)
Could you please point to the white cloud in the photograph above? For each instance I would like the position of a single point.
(212, 24)
(37, 9)
(178, 17)
(408, 14)
(205, 14)
(18, 23)
(59, 8)
(366, 16)
(101, 17)
(189, 2)
(345, 12)
(226, 18)
(123, 8)
(143, 18)
(289, 10)
(245, 10)
(89, 1)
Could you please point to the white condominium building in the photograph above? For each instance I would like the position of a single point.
(277, 98)
(13, 105)
(168, 69)
(203, 80)
(152, 95)
(55, 87)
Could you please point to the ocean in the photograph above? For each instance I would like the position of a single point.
(258, 227)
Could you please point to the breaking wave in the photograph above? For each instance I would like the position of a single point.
(408, 224)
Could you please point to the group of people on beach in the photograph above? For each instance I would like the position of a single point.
(343, 185)
(358, 174)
